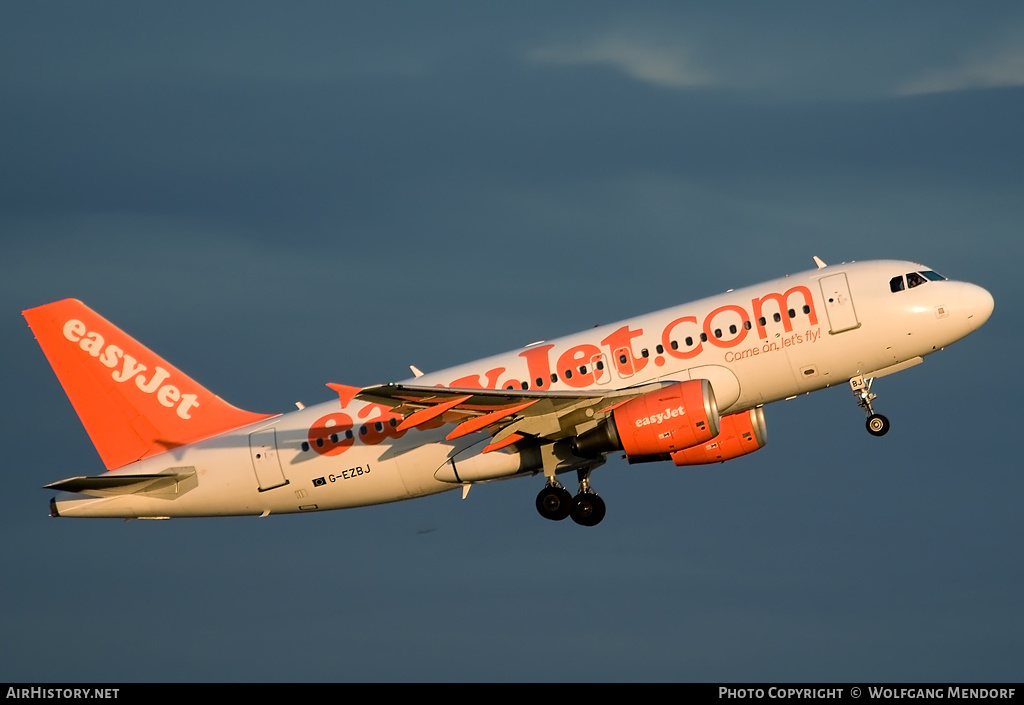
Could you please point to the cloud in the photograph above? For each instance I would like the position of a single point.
(640, 58)
(1001, 68)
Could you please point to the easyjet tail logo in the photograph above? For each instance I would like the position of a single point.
(125, 368)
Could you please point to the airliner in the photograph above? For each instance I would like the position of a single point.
(685, 385)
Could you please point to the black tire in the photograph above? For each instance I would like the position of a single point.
(877, 425)
(588, 509)
(554, 503)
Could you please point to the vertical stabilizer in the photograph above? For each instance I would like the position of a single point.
(132, 403)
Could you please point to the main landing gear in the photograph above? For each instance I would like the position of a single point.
(586, 508)
(877, 424)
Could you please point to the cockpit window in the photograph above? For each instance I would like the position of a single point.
(915, 279)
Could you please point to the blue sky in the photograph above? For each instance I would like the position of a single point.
(276, 196)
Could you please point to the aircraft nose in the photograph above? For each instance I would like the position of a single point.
(978, 303)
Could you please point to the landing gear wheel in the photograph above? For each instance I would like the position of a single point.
(554, 502)
(588, 509)
(878, 425)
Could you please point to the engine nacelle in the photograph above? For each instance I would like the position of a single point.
(740, 434)
(656, 424)
(679, 416)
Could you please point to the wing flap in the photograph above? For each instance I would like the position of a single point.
(506, 441)
(429, 413)
(481, 422)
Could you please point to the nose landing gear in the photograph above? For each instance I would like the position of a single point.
(877, 424)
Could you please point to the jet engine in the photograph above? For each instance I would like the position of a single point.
(676, 417)
(740, 434)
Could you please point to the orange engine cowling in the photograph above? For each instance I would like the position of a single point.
(678, 416)
(741, 433)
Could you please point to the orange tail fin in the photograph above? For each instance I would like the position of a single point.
(132, 403)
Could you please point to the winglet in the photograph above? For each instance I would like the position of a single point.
(818, 261)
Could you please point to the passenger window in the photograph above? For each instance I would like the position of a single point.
(896, 284)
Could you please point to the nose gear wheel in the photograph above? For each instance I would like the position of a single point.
(877, 424)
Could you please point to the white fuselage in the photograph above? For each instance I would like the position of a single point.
(756, 345)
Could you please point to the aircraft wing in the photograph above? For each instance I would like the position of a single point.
(509, 415)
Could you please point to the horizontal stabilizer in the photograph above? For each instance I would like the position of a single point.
(166, 484)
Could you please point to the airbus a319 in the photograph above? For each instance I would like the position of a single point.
(685, 385)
